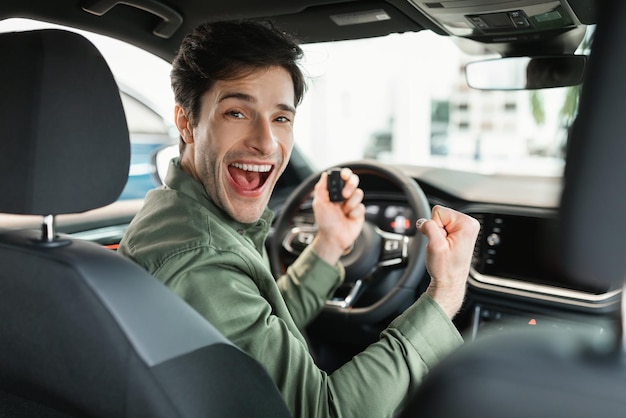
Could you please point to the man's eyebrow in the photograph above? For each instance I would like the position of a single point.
(236, 95)
(251, 99)
(287, 108)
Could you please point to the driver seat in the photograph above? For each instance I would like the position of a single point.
(558, 372)
(84, 331)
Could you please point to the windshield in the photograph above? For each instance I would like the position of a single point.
(403, 99)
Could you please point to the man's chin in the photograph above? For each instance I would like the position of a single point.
(247, 218)
(246, 213)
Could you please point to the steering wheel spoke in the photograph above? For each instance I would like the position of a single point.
(350, 297)
(298, 238)
(394, 249)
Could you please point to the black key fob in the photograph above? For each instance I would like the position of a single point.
(335, 185)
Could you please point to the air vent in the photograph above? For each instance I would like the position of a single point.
(476, 257)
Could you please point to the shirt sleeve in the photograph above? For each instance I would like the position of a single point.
(308, 284)
(378, 381)
(373, 384)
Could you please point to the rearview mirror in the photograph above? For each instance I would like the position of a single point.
(526, 73)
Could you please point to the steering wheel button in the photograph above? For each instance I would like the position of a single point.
(391, 245)
(305, 238)
(493, 240)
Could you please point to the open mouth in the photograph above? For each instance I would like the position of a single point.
(249, 177)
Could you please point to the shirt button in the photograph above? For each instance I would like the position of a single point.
(241, 231)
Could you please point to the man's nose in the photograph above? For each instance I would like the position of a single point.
(263, 138)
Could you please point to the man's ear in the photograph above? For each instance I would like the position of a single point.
(182, 123)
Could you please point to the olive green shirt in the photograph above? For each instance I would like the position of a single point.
(221, 268)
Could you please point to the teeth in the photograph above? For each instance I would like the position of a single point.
(253, 167)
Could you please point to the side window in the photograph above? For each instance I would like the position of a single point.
(148, 131)
(141, 119)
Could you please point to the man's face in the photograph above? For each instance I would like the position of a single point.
(242, 141)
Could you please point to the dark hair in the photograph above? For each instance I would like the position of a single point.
(227, 51)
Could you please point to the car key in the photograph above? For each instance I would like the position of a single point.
(335, 185)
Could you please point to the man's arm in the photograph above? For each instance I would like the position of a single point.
(248, 308)
(374, 384)
(314, 276)
(308, 284)
(338, 223)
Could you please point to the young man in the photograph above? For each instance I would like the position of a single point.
(236, 87)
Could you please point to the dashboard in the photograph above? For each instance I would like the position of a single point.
(516, 275)
(517, 279)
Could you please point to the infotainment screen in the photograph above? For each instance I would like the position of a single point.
(524, 248)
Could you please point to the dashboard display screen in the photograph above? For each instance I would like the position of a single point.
(523, 248)
(391, 217)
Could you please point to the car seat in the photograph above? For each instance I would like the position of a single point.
(570, 373)
(83, 330)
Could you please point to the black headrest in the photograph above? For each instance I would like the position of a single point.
(64, 144)
(594, 199)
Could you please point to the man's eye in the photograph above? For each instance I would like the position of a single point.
(235, 114)
(283, 119)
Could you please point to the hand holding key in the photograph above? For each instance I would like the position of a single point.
(339, 221)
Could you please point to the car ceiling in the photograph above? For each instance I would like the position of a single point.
(313, 20)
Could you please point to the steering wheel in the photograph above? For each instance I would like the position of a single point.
(383, 269)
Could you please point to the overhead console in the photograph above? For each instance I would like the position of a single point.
(499, 22)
